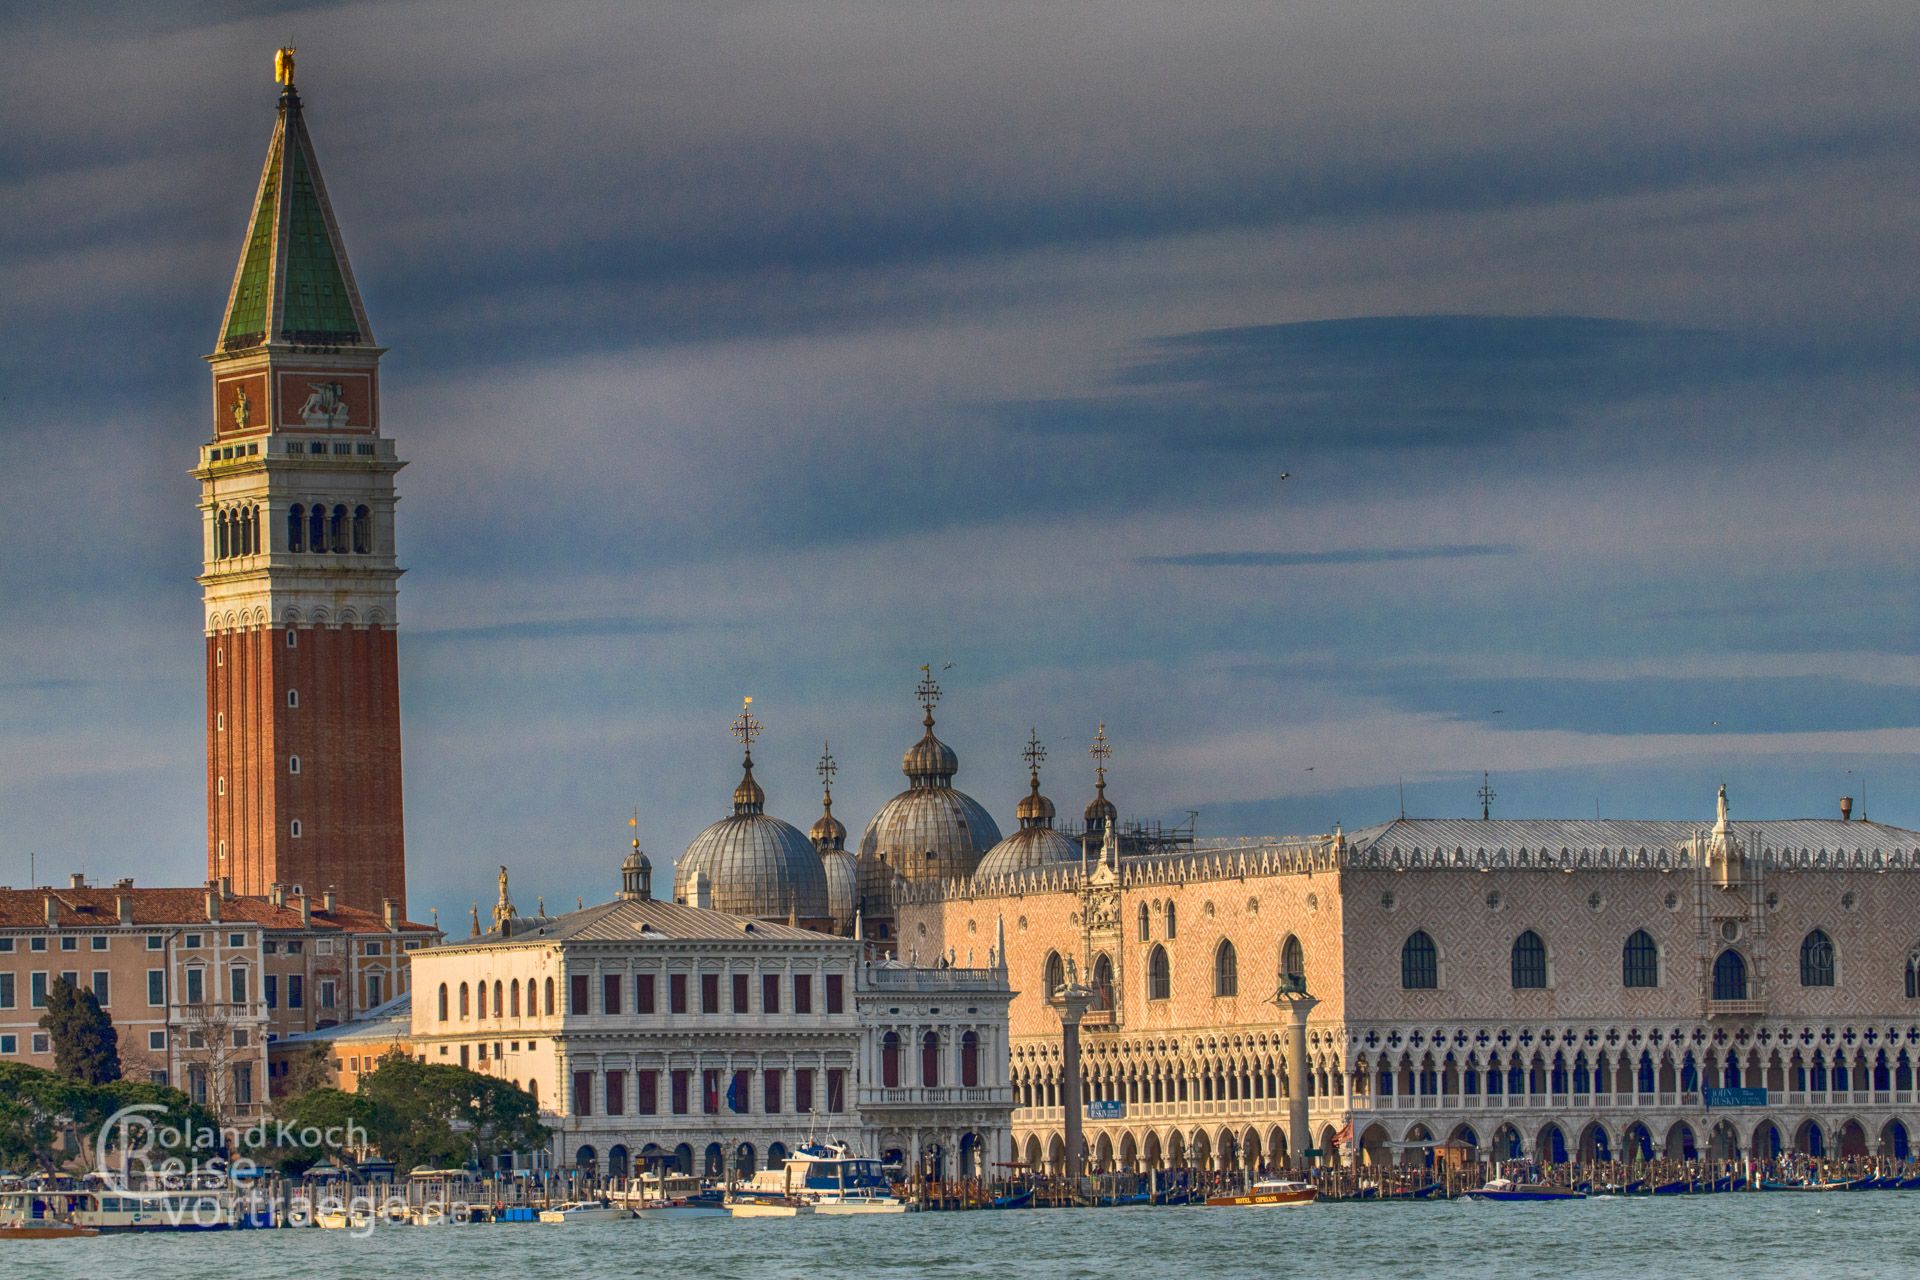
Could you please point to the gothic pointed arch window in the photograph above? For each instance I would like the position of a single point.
(1172, 923)
(296, 527)
(1419, 963)
(1913, 974)
(1146, 923)
(1053, 974)
(1640, 960)
(1730, 976)
(1529, 962)
(1226, 970)
(1816, 960)
(362, 531)
(1102, 982)
(1293, 963)
(1159, 975)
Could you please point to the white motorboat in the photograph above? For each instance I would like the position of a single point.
(585, 1211)
(817, 1178)
(673, 1196)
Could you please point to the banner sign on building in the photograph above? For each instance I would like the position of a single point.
(1106, 1109)
(1736, 1098)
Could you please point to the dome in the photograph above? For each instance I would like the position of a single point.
(828, 834)
(755, 865)
(929, 831)
(1034, 810)
(1100, 811)
(843, 888)
(636, 875)
(1026, 850)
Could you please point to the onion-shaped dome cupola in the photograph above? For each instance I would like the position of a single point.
(1036, 844)
(830, 841)
(929, 831)
(1100, 813)
(753, 864)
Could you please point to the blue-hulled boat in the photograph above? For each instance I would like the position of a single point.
(1507, 1191)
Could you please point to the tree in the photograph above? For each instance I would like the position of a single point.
(86, 1048)
(219, 1055)
(322, 1123)
(34, 1110)
(445, 1116)
(306, 1068)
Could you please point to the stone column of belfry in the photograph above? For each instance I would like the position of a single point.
(299, 578)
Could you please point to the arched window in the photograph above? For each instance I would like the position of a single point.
(1913, 976)
(1730, 976)
(317, 528)
(1293, 963)
(480, 1001)
(337, 534)
(443, 1002)
(1102, 982)
(970, 1057)
(499, 999)
(250, 531)
(1529, 962)
(1055, 974)
(219, 535)
(1159, 975)
(548, 1000)
(890, 1060)
(1226, 970)
(1419, 963)
(1640, 961)
(464, 1000)
(930, 1059)
(513, 997)
(296, 527)
(1816, 960)
(1146, 923)
(362, 531)
(1172, 925)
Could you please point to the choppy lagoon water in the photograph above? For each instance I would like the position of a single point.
(1742, 1236)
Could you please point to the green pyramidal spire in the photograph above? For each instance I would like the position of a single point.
(294, 285)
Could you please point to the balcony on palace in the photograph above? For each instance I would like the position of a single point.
(954, 1095)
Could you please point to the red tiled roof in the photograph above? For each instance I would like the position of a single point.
(97, 906)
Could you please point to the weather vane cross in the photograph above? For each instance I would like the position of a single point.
(826, 768)
(1487, 797)
(1101, 751)
(928, 689)
(1035, 755)
(746, 728)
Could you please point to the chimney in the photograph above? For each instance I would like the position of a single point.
(1846, 808)
(78, 880)
(277, 894)
(52, 905)
(213, 902)
(125, 882)
(306, 911)
(390, 914)
(123, 905)
(328, 900)
(226, 886)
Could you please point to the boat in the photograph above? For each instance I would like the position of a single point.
(114, 1211)
(674, 1195)
(1507, 1191)
(1021, 1199)
(585, 1211)
(50, 1229)
(819, 1177)
(1268, 1193)
(356, 1219)
(1844, 1184)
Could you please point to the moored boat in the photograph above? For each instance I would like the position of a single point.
(1268, 1193)
(817, 1178)
(585, 1211)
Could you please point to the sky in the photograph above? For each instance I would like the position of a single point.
(1339, 401)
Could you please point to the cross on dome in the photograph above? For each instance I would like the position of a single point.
(746, 728)
(827, 768)
(1035, 755)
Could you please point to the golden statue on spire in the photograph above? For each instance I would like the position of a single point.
(283, 65)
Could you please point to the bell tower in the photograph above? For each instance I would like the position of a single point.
(299, 579)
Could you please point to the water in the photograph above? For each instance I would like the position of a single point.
(1674, 1238)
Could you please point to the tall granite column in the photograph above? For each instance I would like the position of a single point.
(1298, 1005)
